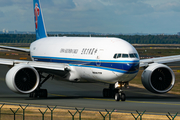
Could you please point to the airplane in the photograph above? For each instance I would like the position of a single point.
(92, 59)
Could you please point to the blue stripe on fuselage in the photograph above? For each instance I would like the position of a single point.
(122, 66)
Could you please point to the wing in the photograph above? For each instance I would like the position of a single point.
(168, 59)
(16, 49)
(43, 66)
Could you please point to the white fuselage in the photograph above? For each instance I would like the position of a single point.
(90, 58)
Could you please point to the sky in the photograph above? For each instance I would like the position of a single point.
(101, 16)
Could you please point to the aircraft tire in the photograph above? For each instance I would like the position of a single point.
(42, 93)
(34, 95)
(123, 97)
(117, 97)
(105, 92)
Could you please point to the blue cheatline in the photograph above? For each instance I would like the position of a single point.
(123, 66)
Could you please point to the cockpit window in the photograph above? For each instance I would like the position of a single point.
(119, 55)
(136, 55)
(132, 55)
(125, 55)
(115, 56)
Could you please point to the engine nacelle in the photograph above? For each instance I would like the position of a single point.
(22, 78)
(158, 78)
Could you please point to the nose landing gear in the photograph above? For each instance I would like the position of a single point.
(115, 91)
(120, 95)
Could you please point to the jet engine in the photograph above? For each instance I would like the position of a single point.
(22, 78)
(158, 78)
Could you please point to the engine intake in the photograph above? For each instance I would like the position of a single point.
(158, 78)
(22, 78)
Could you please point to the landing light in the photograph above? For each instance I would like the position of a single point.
(121, 84)
(117, 85)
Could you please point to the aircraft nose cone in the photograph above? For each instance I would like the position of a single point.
(132, 66)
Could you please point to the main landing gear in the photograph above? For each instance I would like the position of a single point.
(40, 93)
(115, 91)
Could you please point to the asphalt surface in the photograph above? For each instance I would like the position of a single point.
(89, 95)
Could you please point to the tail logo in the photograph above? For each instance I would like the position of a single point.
(36, 13)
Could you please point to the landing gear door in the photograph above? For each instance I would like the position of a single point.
(99, 57)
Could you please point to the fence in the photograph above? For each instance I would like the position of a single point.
(32, 112)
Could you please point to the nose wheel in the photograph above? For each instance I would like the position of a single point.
(120, 96)
(115, 91)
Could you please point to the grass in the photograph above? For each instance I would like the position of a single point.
(158, 52)
(14, 55)
(59, 113)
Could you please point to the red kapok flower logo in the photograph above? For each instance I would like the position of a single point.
(36, 13)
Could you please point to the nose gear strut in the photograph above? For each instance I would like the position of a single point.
(120, 95)
(115, 91)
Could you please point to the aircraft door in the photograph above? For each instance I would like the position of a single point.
(99, 55)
